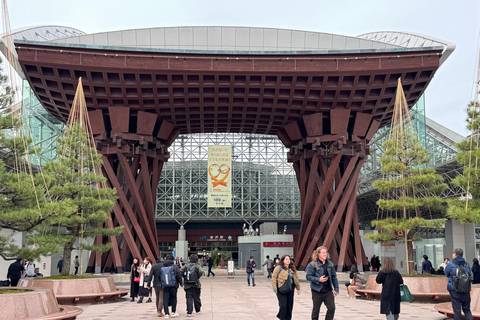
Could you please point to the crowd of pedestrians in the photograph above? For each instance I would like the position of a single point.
(165, 277)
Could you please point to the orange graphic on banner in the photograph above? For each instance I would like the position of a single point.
(215, 171)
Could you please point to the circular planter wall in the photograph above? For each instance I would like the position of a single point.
(82, 290)
(36, 303)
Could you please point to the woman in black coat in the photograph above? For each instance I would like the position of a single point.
(391, 280)
(134, 274)
(476, 271)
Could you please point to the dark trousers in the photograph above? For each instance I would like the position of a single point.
(170, 299)
(319, 298)
(210, 271)
(193, 298)
(285, 302)
(14, 282)
(269, 273)
(76, 270)
(461, 301)
(159, 299)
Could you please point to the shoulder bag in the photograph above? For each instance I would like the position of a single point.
(286, 287)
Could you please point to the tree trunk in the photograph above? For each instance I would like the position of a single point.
(67, 257)
(409, 246)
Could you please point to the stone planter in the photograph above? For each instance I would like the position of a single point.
(37, 303)
(81, 290)
(424, 289)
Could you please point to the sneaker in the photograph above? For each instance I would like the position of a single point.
(249, 284)
(189, 315)
(175, 314)
(140, 301)
(149, 300)
(254, 284)
(160, 314)
(167, 316)
(214, 274)
(199, 311)
(132, 300)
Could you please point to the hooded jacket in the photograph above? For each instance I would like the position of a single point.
(451, 270)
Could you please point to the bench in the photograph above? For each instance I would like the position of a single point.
(447, 310)
(423, 289)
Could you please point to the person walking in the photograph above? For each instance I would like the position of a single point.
(60, 265)
(144, 285)
(460, 300)
(391, 280)
(134, 279)
(285, 274)
(476, 271)
(191, 277)
(76, 264)
(322, 276)
(171, 280)
(15, 271)
(155, 277)
(210, 265)
(426, 265)
(373, 263)
(269, 264)
(250, 271)
(358, 282)
(30, 270)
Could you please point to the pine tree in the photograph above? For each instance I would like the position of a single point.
(408, 190)
(467, 208)
(83, 205)
(22, 205)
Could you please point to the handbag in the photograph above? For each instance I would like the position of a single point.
(405, 294)
(136, 279)
(286, 287)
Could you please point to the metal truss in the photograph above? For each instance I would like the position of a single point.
(41, 126)
(264, 183)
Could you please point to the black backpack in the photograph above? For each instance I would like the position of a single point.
(191, 274)
(462, 280)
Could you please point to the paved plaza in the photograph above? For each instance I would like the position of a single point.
(232, 299)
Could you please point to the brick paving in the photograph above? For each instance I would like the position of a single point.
(232, 299)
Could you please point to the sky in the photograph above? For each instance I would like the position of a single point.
(454, 21)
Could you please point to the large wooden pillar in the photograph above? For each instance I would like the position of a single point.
(327, 150)
(133, 145)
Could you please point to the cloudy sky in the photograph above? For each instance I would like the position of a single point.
(455, 21)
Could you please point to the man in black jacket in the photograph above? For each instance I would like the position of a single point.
(210, 265)
(15, 271)
(170, 292)
(157, 285)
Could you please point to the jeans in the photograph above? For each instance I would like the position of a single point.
(461, 301)
(159, 299)
(269, 273)
(170, 299)
(392, 316)
(319, 298)
(248, 278)
(193, 298)
(285, 303)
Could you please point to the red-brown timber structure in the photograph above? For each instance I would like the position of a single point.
(324, 106)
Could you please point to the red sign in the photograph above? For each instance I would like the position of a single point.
(400, 233)
(278, 244)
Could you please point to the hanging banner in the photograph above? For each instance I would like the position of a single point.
(219, 176)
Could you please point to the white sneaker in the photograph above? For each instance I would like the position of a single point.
(173, 315)
(189, 315)
(167, 316)
(199, 311)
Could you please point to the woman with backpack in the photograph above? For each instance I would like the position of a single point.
(284, 282)
(391, 280)
(191, 277)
